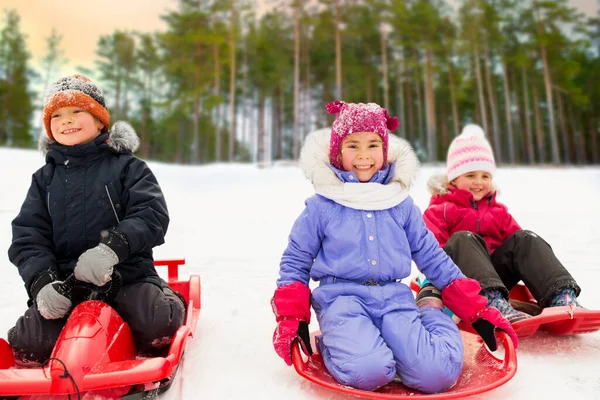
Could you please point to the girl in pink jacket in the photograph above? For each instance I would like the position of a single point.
(483, 239)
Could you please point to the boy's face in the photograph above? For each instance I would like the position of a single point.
(478, 183)
(362, 153)
(73, 125)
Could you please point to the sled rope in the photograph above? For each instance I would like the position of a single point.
(66, 374)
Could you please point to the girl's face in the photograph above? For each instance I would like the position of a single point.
(362, 153)
(73, 125)
(478, 183)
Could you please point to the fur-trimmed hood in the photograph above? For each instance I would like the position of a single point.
(122, 137)
(438, 185)
(314, 162)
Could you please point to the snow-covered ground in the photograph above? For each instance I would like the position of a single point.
(231, 222)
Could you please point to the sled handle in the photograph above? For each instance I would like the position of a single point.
(510, 354)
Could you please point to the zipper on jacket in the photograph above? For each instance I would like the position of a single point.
(112, 204)
(476, 209)
(48, 204)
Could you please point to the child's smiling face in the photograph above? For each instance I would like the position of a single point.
(73, 125)
(362, 153)
(478, 183)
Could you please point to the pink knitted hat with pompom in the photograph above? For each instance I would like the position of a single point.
(470, 151)
(358, 117)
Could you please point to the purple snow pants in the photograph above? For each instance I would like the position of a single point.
(370, 334)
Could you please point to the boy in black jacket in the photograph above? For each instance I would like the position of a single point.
(92, 208)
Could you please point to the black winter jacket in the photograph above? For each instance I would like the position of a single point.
(81, 191)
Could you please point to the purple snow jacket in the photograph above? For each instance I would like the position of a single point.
(362, 233)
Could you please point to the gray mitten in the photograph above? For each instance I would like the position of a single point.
(50, 303)
(96, 265)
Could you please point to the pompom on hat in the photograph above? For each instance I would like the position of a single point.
(470, 151)
(358, 117)
(75, 91)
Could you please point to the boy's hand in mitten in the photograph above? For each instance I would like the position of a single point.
(463, 299)
(50, 303)
(291, 306)
(95, 265)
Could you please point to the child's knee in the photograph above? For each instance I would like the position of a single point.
(433, 376)
(369, 372)
(169, 315)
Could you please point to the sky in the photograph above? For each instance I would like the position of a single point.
(231, 223)
(81, 25)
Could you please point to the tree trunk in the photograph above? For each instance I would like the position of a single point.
(455, 118)
(518, 120)
(400, 94)
(232, 72)
(338, 51)
(493, 107)
(296, 132)
(507, 112)
(578, 136)
(384, 68)
(308, 112)
(548, 88)
(563, 128)
(409, 107)
(260, 137)
(420, 114)
(479, 85)
(217, 91)
(593, 139)
(245, 135)
(430, 104)
(538, 126)
(528, 134)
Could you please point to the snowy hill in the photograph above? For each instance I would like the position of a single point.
(230, 223)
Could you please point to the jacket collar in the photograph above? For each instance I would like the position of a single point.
(390, 189)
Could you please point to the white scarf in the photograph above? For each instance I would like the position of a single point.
(314, 162)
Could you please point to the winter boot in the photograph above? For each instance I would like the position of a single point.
(496, 300)
(564, 297)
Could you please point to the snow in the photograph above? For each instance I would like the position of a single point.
(231, 222)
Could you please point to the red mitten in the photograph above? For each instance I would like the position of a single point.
(291, 306)
(463, 299)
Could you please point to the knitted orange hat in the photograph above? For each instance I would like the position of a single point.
(75, 91)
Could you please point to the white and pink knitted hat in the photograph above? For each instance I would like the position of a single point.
(470, 151)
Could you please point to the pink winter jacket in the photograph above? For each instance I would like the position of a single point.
(451, 210)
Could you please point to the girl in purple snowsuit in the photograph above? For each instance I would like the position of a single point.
(357, 236)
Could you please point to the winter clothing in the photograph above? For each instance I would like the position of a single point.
(291, 306)
(154, 313)
(470, 151)
(75, 91)
(429, 296)
(565, 297)
(475, 310)
(80, 192)
(87, 194)
(357, 117)
(497, 300)
(358, 240)
(453, 210)
(515, 254)
(96, 265)
(51, 303)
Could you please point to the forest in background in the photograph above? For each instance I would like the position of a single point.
(224, 84)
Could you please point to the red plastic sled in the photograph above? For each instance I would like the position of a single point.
(95, 353)
(554, 320)
(482, 372)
